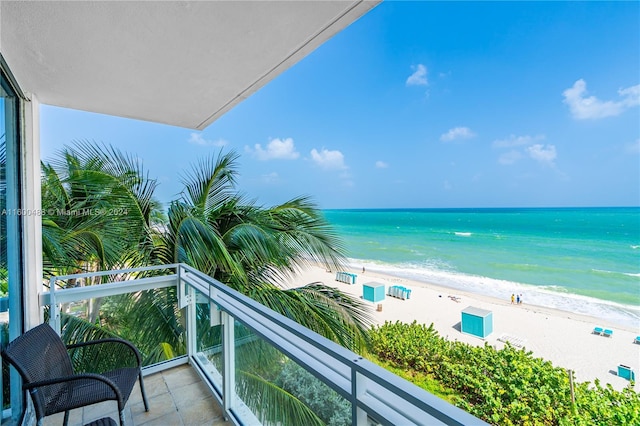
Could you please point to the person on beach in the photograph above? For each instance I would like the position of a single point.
(363, 269)
(513, 298)
(518, 299)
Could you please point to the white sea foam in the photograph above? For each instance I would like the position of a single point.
(546, 296)
(629, 274)
(463, 234)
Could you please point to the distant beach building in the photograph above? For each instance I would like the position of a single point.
(373, 292)
(477, 322)
(346, 277)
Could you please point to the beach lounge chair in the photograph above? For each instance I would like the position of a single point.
(598, 330)
(607, 332)
(637, 340)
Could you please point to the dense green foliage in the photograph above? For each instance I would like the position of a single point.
(324, 401)
(507, 386)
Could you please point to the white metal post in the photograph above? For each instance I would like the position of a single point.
(192, 338)
(228, 362)
(31, 203)
(358, 389)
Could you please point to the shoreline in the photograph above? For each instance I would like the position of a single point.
(613, 313)
(492, 299)
(562, 337)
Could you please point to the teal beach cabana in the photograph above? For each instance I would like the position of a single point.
(373, 292)
(626, 372)
(399, 292)
(477, 322)
(346, 277)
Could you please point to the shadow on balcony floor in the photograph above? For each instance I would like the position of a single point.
(177, 397)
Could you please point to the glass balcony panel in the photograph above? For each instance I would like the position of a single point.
(150, 319)
(208, 338)
(280, 391)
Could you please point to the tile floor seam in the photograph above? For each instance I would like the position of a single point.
(173, 400)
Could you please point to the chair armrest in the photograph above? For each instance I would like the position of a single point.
(85, 376)
(133, 349)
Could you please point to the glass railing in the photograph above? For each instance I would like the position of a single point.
(261, 366)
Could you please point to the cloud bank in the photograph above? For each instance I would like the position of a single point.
(457, 133)
(419, 77)
(520, 147)
(276, 149)
(197, 139)
(589, 108)
(328, 160)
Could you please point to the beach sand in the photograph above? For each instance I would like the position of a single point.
(564, 338)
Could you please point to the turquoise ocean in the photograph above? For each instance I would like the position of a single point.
(581, 260)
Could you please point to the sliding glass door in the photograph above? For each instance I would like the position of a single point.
(11, 300)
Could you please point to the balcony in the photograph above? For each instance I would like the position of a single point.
(177, 396)
(230, 351)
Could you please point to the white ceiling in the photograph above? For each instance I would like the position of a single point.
(173, 62)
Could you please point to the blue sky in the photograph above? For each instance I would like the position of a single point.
(425, 104)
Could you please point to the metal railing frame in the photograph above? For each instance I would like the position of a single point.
(372, 391)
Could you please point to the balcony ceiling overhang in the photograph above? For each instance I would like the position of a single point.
(173, 62)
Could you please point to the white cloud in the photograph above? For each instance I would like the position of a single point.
(276, 149)
(381, 165)
(197, 139)
(543, 153)
(510, 157)
(457, 133)
(634, 147)
(272, 177)
(583, 108)
(330, 160)
(514, 140)
(419, 77)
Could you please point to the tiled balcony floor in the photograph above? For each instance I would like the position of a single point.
(177, 397)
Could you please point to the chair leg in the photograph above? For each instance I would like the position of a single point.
(144, 394)
(66, 418)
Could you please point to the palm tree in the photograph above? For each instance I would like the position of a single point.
(97, 205)
(211, 227)
(87, 191)
(252, 249)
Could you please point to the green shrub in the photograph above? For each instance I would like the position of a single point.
(323, 401)
(507, 386)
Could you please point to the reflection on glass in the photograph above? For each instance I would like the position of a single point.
(209, 338)
(8, 128)
(149, 319)
(279, 391)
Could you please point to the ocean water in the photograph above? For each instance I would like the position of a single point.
(582, 260)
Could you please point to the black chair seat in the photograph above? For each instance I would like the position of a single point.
(83, 392)
(105, 421)
(46, 368)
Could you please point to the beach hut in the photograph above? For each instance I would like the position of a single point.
(373, 292)
(477, 322)
(626, 372)
(346, 277)
(399, 292)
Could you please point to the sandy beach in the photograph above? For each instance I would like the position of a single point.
(564, 338)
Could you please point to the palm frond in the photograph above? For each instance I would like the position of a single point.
(327, 311)
(272, 404)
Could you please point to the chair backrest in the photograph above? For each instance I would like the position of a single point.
(40, 354)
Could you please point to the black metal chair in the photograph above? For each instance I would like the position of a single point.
(46, 366)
